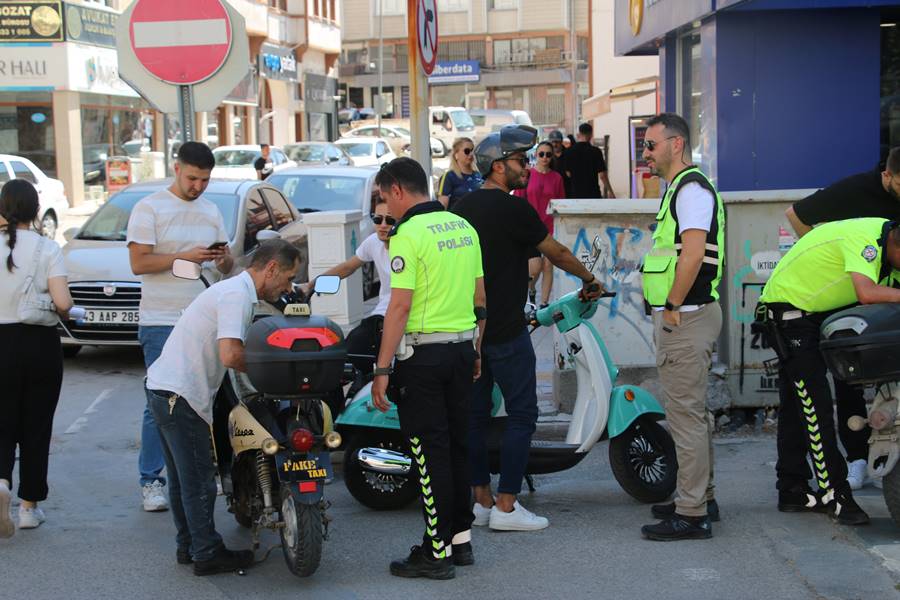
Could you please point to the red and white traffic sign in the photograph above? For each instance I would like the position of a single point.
(427, 33)
(178, 42)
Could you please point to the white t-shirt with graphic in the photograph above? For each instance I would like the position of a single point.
(374, 250)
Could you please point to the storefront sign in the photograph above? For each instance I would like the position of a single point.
(90, 25)
(455, 71)
(41, 68)
(276, 62)
(96, 70)
(319, 92)
(31, 21)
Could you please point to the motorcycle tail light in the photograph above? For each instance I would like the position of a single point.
(302, 440)
(306, 487)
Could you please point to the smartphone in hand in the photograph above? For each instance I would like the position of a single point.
(217, 245)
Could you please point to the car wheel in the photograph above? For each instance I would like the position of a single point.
(49, 225)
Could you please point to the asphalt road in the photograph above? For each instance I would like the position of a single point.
(98, 543)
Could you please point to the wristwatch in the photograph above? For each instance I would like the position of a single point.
(383, 371)
(672, 307)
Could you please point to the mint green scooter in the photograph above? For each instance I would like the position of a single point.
(377, 461)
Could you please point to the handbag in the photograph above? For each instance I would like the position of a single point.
(35, 306)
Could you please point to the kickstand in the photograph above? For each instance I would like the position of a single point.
(529, 481)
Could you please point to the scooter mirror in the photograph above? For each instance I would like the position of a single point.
(327, 284)
(185, 269)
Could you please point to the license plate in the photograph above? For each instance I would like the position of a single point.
(304, 468)
(109, 317)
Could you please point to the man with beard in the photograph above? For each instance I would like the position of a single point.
(869, 194)
(509, 229)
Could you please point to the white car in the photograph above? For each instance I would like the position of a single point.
(367, 152)
(236, 162)
(399, 138)
(51, 193)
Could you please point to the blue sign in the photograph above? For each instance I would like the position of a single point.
(455, 71)
(38, 117)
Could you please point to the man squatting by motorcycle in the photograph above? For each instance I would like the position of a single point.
(436, 309)
(182, 385)
(834, 266)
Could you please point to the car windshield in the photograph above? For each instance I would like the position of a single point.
(462, 120)
(403, 131)
(110, 222)
(306, 153)
(312, 193)
(358, 149)
(235, 158)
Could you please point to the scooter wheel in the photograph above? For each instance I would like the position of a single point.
(643, 461)
(890, 489)
(375, 490)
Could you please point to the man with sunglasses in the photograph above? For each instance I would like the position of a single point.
(681, 276)
(875, 193)
(510, 230)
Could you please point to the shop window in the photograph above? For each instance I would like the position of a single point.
(502, 51)
(26, 128)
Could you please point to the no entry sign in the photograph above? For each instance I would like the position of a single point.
(178, 42)
(427, 33)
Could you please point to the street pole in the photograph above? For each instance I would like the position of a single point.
(379, 103)
(186, 112)
(418, 98)
(573, 39)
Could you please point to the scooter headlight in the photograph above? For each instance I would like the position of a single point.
(270, 446)
(333, 439)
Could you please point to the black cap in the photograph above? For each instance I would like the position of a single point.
(498, 145)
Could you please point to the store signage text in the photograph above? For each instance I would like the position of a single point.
(23, 68)
(35, 21)
(277, 63)
(90, 25)
(455, 71)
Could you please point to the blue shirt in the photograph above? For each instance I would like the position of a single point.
(455, 187)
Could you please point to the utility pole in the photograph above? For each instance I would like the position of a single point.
(573, 45)
(418, 97)
(379, 103)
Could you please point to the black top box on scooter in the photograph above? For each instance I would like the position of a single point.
(295, 355)
(861, 345)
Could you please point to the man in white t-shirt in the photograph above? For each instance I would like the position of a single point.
(176, 222)
(182, 385)
(366, 337)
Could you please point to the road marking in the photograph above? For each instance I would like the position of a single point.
(81, 421)
(700, 574)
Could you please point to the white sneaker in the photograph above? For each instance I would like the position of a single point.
(155, 497)
(857, 474)
(30, 518)
(7, 528)
(520, 519)
(482, 515)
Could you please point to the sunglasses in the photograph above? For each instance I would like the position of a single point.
(545, 155)
(651, 145)
(377, 219)
(468, 151)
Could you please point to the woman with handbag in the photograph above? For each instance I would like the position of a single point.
(33, 295)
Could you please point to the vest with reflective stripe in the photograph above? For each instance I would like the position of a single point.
(660, 263)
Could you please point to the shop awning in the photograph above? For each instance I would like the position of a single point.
(599, 105)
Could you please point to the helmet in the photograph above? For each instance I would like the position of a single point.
(555, 136)
(500, 144)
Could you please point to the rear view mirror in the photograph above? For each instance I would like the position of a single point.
(328, 284)
(185, 269)
(267, 234)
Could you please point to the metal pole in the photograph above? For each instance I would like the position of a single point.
(186, 112)
(574, 47)
(418, 98)
(379, 104)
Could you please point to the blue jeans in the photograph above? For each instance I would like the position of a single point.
(189, 462)
(150, 458)
(512, 366)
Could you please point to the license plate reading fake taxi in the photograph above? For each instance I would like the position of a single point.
(310, 467)
(110, 317)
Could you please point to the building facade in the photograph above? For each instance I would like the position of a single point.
(63, 105)
(528, 55)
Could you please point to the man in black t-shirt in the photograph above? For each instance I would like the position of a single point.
(262, 165)
(586, 168)
(869, 194)
(558, 163)
(509, 230)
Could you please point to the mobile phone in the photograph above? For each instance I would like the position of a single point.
(217, 245)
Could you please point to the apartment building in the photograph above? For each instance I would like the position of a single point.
(530, 55)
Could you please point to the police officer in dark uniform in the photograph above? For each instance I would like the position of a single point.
(432, 325)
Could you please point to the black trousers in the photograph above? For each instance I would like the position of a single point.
(31, 357)
(850, 402)
(805, 419)
(435, 386)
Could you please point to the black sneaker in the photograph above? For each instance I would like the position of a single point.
(224, 561)
(667, 511)
(463, 555)
(184, 557)
(420, 563)
(846, 511)
(803, 500)
(679, 527)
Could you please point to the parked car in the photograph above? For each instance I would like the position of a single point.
(236, 162)
(367, 152)
(450, 122)
(314, 189)
(488, 120)
(318, 153)
(99, 271)
(348, 115)
(399, 138)
(51, 193)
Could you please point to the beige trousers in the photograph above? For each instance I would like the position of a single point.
(683, 359)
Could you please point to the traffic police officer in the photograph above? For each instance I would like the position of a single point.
(830, 268)
(681, 275)
(437, 300)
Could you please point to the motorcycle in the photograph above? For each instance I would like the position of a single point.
(861, 346)
(280, 431)
(377, 459)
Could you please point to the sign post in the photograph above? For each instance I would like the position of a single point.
(423, 47)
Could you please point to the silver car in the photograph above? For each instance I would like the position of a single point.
(99, 271)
